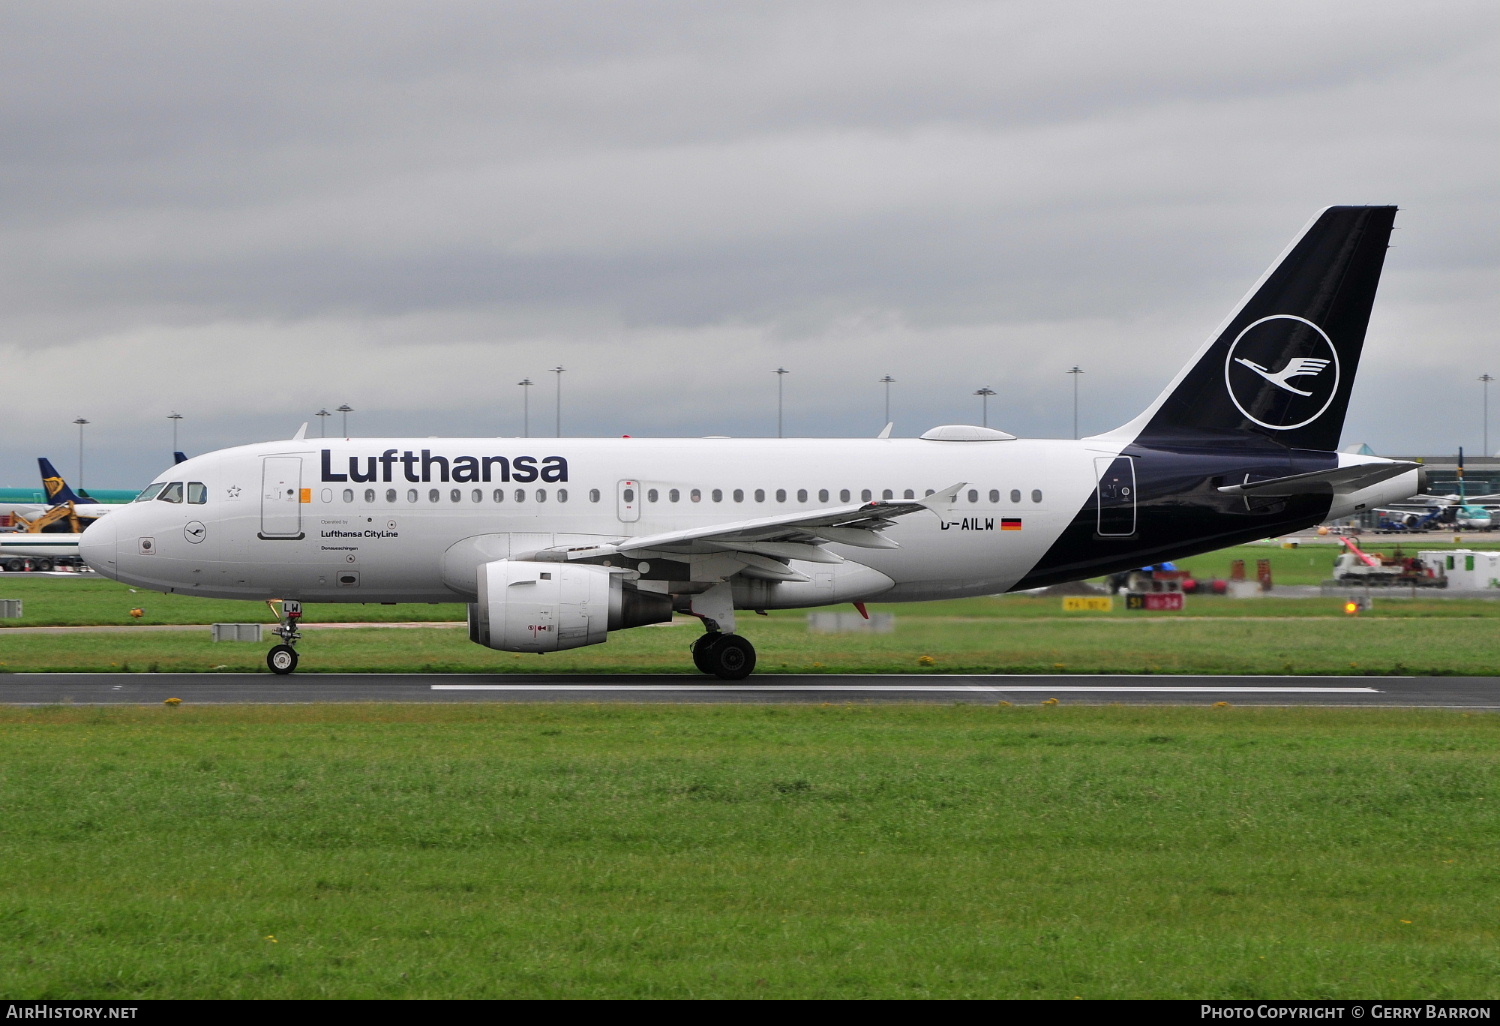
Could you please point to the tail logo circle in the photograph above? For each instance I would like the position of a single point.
(1282, 372)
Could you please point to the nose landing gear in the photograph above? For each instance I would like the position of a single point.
(282, 659)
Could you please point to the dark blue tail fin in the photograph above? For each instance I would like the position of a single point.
(57, 489)
(1282, 366)
(179, 457)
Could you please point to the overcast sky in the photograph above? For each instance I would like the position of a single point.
(246, 211)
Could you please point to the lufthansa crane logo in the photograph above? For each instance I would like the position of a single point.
(1282, 372)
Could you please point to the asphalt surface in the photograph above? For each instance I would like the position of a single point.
(264, 688)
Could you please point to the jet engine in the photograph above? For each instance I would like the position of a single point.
(547, 607)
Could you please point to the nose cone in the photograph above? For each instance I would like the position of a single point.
(99, 546)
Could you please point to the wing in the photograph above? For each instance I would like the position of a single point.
(1302, 366)
(762, 547)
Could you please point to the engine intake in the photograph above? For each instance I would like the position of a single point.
(547, 607)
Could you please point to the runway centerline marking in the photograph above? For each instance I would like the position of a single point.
(915, 688)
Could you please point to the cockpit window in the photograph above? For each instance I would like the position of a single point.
(197, 493)
(151, 492)
(172, 492)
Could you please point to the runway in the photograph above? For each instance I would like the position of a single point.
(263, 688)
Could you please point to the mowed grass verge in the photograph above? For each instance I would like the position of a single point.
(1348, 646)
(648, 851)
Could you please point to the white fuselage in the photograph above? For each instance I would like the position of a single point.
(276, 521)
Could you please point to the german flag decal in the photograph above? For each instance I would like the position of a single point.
(1010, 523)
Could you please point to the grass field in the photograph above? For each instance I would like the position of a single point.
(52, 601)
(919, 645)
(1011, 634)
(907, 851)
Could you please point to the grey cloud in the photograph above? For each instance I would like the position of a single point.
(677, 197)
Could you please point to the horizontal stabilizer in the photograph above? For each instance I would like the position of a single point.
(1339, 481)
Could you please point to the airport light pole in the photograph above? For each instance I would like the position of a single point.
(984, 399)
(559, 372)
(346, 409)
(1075, 371)
(174, 417)
(80, 422)
(1486, 379)
(781, 373)
(525, 384)
(322, 416)
(887, 381)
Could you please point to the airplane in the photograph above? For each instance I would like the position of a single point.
(51, 479)
(554, 544)
(1436, 512)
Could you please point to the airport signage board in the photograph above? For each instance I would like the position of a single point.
(1163, 601)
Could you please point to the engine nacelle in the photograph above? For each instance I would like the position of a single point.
(547, 607)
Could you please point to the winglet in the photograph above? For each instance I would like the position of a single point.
(301, 432)
(885, 432)
(947, 497)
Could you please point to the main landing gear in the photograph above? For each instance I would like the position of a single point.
(720, 652)
(282, 659)
(727, 656)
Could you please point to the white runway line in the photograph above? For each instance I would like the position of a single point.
(916, 688)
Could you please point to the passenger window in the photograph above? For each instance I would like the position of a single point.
(171, 493)
(781, 495)
(348, 494)
(593, 495)
(478, 495)
(499, 495)
(718, 494)
(151, 492)
(822, 494)
(520, 495)
(887, 494)
(909, 494)
(674, 495)
(1036, 495)
(866, 495)
(327, 495)
(652, 495)
(994, 495)
(929, 492)
(390, 495)
(562, 495)
(369, 495)
(629, 495)
(433, 495)
(801, 494)
(695, 495)
(973, 495)
(1015, 495)
(411, 495)
(760, 495)
(198, 493)
(541, 495)
(456, 495)
(739, 495)
(844, 495)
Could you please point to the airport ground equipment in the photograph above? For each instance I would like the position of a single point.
(1464, 569)
(1355, 566)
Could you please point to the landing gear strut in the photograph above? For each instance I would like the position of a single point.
(720, 652)
(282, 659)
